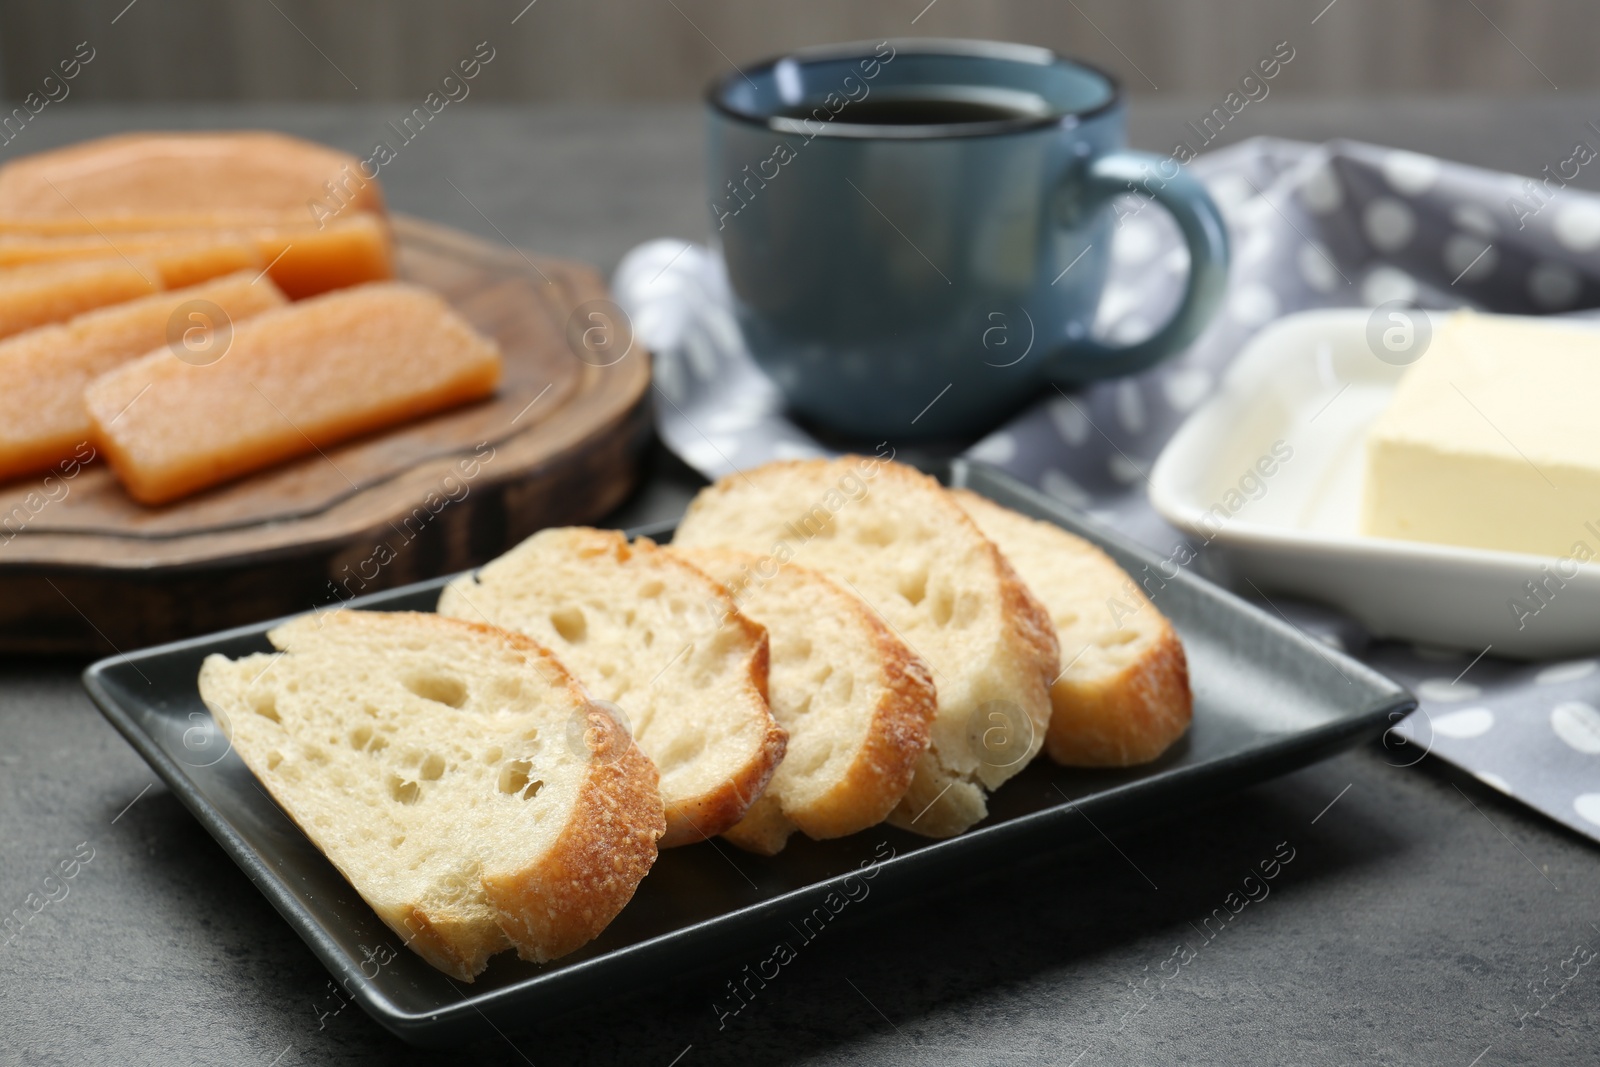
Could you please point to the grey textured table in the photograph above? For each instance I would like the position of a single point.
(1418, 910)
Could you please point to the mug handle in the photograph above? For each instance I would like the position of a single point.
(1122, 171)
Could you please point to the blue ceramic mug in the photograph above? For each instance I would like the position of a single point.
(917, 232)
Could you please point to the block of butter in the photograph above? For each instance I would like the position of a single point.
(1492, 440)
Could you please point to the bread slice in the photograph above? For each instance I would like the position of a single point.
(1124, 695)
(649, 632)
(857, 703)
(896, 539)
(454, 773)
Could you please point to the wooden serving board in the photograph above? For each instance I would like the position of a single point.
(85, 569)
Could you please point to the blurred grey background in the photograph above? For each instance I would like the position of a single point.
(350, 51)
(1474, 80)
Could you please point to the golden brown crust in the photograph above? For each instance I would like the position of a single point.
(605, 850)
(1031, 638)
(596, 864)
(696, 818)
(943, 800)
(606, 847)
(896, 736)
(1031, 623)
(1128, 721)
(882, 770)
(1124, 719)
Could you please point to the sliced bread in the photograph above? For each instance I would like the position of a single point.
(651, 633)
(1124, 695)
(897, 540)
(857, 703)
(454, 773)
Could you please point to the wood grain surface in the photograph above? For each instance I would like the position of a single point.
(85, 569)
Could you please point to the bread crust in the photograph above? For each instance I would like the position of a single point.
(697, 818)
(882, 770)
(897, 729)
(1030, 641)
(709, 813)
(568, 894)
(705, 815)
(944, 799)
(1132, 720)
(1118, 720)
(606, 849)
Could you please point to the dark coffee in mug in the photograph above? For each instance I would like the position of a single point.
(949, 109)
(917, 233)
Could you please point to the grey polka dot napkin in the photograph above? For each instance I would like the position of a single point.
(1336, 225)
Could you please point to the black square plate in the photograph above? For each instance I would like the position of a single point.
(1268, 699)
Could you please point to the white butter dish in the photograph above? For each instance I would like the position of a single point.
(1310, 386)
